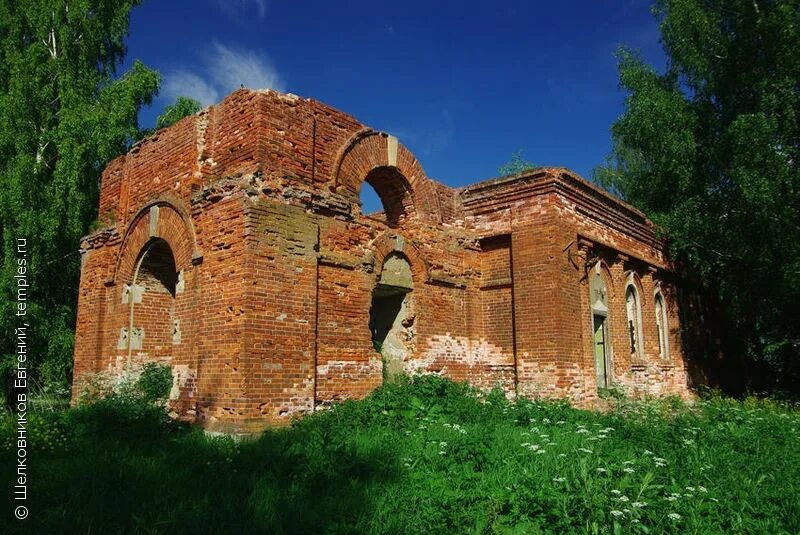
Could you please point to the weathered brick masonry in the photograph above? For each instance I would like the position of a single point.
(236, 251)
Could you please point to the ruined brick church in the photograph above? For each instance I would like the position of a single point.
(235, 249)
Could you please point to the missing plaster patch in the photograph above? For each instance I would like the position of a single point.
(137, 337)
(122, 341)
(181, 284)
(176, 331)
(184, 379)
(132, 293)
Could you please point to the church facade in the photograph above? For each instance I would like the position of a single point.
(234, 248)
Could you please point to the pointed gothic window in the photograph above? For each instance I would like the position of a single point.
(662, 326)
(634, 317)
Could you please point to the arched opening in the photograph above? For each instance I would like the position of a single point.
(153, 327)
(371, 204)
(393, 191)
(601, 341)
(391, 316)
(662, 327)
(156, 271)
(633, 308)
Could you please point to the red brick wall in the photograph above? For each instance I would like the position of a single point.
(257, 200)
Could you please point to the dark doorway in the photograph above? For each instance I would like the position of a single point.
(391, 317)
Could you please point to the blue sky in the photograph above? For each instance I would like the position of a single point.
(462, 85)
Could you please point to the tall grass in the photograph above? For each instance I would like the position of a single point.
(429, 456)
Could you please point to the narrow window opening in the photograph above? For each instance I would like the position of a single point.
(662, 327)
(634, 313)
(598, 297)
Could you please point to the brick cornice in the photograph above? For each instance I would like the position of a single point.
(589, 200)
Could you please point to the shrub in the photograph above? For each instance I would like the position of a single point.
(155, 381)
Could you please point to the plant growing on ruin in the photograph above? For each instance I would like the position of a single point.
(517, 164)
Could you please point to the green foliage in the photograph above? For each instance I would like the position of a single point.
(183, 107)
(516, 165)
(155, 381)
(425, 456)
(149, 384)
(710, 151)
(64, 113)
(611, 392)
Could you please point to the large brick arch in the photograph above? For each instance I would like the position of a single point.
(158, 219)
(391, 169)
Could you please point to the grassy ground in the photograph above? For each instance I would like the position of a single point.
(426, 457)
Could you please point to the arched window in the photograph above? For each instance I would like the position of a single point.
(598, 300)
(662, 326)
(634, 315)
(385, 187)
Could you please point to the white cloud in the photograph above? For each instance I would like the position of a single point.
(241, 8)
(231, 68)
(186, 84)
(225, 69)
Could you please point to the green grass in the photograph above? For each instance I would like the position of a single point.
(426, 457)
